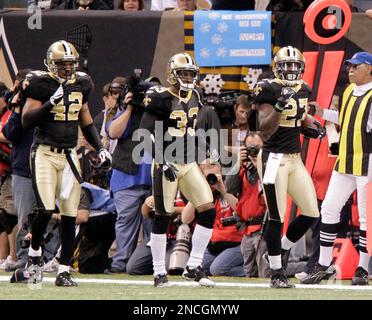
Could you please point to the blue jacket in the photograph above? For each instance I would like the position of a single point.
(21, 141)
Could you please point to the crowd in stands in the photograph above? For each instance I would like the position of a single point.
(189, 5)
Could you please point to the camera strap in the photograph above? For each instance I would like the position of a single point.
(254, 221)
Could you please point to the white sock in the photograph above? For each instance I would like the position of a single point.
(200, 240)
(158, 245)
(275, 262)
(63, 268)
(363, 260)
(286, 243)
(34, 253)
(325, 257)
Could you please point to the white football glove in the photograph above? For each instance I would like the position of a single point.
(57, 96)
(105, 157)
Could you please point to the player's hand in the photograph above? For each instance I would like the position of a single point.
(105, 157)
(286, 95)
(169, 171)
(57, 96)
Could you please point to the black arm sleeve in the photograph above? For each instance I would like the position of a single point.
(91, 134)
(31, 118)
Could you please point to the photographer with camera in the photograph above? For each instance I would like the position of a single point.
(21, 139)
(113, 103)
(130, 183)
(222, 256)
(8, 219)
(239, 127)
(251, 208)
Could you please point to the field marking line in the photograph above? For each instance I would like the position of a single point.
(194, 284)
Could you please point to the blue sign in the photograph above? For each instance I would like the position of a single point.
(232, 38)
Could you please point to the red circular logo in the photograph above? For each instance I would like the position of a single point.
(330, 22)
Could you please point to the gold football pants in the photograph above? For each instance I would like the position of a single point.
(292, 178)
(190, 181)
(47, 164)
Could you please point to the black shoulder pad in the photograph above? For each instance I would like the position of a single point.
(266, 91)
(306, 87)
(157, 100)
(86, 83)
(36, 85)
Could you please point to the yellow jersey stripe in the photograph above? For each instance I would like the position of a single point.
(343, 138)
(357, 139)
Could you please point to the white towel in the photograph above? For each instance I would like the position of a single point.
(68, 179)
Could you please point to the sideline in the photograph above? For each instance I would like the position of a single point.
(194, 284)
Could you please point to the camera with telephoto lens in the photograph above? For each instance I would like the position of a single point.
(211, 179)
(223, 105)
(138, 88)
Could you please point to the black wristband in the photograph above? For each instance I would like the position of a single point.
(90, 133)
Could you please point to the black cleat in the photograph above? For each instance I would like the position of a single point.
(64, 279)
(319, 273)
(197, 275)
(360, 277)
(161, 280)
(279, 280)
(35, 268)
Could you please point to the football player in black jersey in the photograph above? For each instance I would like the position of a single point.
(56, 105)
(282, 105)
(171, 114)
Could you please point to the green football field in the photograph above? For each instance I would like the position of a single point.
(121, 287)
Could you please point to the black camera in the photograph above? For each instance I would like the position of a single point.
(229, 221)
(211, 179)
(233, 220)
(138, 87)
(9, 97)
(224, 105)
(253, 150)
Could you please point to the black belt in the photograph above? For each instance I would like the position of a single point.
(59, 150)
(69, 160)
